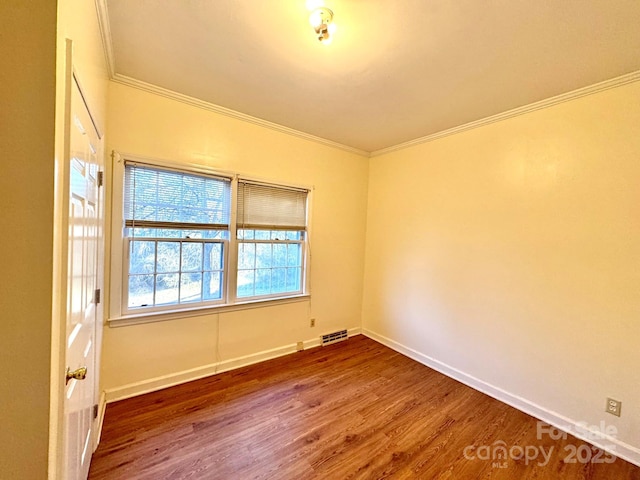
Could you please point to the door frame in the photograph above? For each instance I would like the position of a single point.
(56, 459)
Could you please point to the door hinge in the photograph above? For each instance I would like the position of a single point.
(96, 296)
(95, 411)
(100, 178)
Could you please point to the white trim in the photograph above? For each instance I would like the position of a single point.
(195, 102)
(99, 421)
(57, 434)
(105, 34)
(157, 316)
(532, 107)
(231, 265)
(177, 378)
(621, 449)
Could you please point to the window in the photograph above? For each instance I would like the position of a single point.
(182, 247)
(176, 236)
(271, 232)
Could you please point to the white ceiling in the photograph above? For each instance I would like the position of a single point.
(396, 69)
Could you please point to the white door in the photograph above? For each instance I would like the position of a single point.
(85, 233)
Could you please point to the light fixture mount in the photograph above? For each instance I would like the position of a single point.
(320, 20)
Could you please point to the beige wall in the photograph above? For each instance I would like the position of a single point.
(511, 253)
(27, 99)
(149, 125)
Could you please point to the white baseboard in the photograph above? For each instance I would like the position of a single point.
(612, 445)
(176, 378)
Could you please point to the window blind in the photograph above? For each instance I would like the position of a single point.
(163, 198)
(271, 207)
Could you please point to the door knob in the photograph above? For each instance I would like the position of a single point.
(79, 374)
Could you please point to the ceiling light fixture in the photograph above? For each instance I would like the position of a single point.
(321, 20)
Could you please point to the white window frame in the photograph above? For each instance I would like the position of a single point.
(121, 314)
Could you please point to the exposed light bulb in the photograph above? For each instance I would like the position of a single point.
(316, 18)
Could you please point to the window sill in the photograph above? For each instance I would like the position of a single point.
(148, 317)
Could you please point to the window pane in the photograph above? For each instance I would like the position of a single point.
(212, 286)
(142, 232)
(294, 258)
(263, 255)
(280, 255)
(277, 269)
(175, 233)
(293, 279)
(263, 234)
(293, 235)
(246, 234)
(213, 259)
(246, 255)
(263, 281)
(278, 235)
(140, 290)
(166, 232)
(208, 234)
(167, 288)
(278, 280)
(191, 257)
(245, 283)
(191, 287)
(168, 257)
(142, 257)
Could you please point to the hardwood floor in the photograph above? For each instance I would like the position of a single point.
(354, 410)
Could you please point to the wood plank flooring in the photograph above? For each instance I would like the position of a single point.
(354, 410)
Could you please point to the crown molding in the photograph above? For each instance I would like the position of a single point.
(163, 92)
(105, 34)
(532, 107)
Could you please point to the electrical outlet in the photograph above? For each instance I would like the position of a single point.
(300, 346)
(312, 322)
(614, 407)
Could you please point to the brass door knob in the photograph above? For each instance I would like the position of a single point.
(79, 374)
